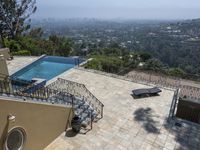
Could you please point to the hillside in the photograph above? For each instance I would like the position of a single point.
(174, 43)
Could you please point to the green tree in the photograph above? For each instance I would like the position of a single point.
(61, 45)
(66, 47)
(12, 45)
(56, 42)
(144, 56)
(36, 33)
(15, 17)
(176, 72)
(105, 63)
(154, 64)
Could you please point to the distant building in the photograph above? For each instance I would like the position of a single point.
(168, 28)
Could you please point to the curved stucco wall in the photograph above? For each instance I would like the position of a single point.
(42, 122)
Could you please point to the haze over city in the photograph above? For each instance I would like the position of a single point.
(124, 9)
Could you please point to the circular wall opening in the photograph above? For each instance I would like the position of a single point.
(15, 139)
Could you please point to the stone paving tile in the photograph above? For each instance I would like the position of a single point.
(150, 138)
(146, 146)
(170, 143)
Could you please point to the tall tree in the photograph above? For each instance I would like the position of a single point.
(36, 33)
(15, 17)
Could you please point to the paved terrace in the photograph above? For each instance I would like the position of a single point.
(128, 123)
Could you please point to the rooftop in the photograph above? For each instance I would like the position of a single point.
(128, 123)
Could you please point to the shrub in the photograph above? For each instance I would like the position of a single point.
(94, 64)
(13, 45)
(22, 53)
(153, 64)
(104, 63)
(176, 72)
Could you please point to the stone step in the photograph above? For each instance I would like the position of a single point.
(81, 107)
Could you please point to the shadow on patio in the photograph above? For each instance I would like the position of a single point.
(70, 133)
(145, 116)
(186, 135)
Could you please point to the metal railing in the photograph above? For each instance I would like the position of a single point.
(190, 93)
(142, 78)
(20, 89)
(78, 90)
(3, 76)
(43, 94)
(174, 104)
(163, 81)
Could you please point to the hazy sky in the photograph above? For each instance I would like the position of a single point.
(125, 9)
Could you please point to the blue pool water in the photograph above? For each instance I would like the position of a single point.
(47, 68)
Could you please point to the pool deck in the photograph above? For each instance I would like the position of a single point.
(128, 123)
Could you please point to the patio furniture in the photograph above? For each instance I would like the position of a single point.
(146, 92)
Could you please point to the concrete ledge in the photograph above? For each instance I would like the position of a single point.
(5, 52)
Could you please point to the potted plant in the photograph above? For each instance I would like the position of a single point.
(76, 123)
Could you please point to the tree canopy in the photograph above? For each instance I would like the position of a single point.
(15, 17)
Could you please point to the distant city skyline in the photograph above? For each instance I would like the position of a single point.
(124, 9)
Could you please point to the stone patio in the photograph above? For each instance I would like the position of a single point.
(128, 123)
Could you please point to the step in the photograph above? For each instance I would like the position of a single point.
(86, 120)
(82, 109)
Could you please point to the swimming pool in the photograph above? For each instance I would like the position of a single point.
(46, 67)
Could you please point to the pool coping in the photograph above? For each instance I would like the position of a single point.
(54, 78)
(20, 68)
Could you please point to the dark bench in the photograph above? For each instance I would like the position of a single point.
(146, 92)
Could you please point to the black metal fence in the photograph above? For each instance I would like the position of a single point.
(188, 111)
(17, 88)
(28, 91)
(172, 112)
(78, 90)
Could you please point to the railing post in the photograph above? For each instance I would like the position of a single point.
(91, 120)
(72, 101)
(1, 90)
(78, 62)
(101, 111)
